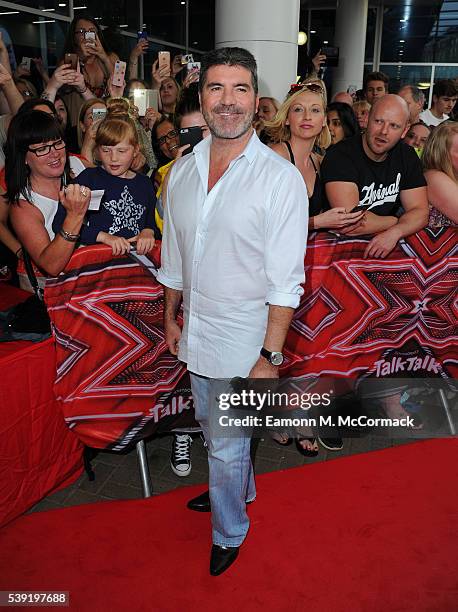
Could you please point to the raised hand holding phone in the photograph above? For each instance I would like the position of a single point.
(164, 63)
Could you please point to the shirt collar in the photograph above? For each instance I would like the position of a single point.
(250, 151)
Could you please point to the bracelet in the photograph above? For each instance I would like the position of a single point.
(18, 251)
(67, 236)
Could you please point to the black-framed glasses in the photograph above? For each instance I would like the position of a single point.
(45, 149)
(169, 136)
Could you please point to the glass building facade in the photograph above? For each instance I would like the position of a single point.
(413, 41)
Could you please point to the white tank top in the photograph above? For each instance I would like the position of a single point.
(48, 209)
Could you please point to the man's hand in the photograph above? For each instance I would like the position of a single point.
(263, 369)
(172, 336)
(382, 244)
(370, 224)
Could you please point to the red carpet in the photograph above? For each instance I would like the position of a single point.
(370, 532)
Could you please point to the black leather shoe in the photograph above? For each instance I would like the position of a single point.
(200, 503)
(222, 558)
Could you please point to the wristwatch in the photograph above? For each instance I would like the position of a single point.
(273, 357)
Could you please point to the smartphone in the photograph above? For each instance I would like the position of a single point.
(118, 73)
(332, 56)
(193, 67)
(192, 136)
(72, 59)
(89, 37)
(26, 62)
(360, 207)
(144, 99)
(164, 62)
(98, 114)
(142, 35)
(186, 59)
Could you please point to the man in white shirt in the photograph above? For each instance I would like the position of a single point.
(445, 94)
(235, 230)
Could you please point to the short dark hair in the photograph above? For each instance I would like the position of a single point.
(445, 87)
(346, 116)
(32, 127)
(376, 76)
(229, 56)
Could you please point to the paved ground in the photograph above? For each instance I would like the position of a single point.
(117, 476)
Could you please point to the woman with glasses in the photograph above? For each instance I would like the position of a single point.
(164, 136)
(96, 62)
(35, 177)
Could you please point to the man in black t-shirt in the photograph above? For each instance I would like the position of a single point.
(379, 172)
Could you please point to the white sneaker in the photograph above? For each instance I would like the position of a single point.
(180, 460)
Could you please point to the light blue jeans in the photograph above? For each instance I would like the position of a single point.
(231, 477)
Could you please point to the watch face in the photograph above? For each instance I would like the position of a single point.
(276, 359)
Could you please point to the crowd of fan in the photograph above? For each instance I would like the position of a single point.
(83, 134)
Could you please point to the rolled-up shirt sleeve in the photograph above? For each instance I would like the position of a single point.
(171, 272)
(286, 240)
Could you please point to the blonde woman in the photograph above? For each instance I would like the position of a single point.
(300, 126)
(440, 163)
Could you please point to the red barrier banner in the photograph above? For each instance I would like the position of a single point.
(358, 318)
(377, 317)
(116, 380)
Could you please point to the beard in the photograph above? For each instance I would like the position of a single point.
(229, 121)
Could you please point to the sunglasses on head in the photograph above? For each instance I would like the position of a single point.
(313, 87)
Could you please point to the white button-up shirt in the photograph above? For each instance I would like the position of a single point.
(232, 252)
